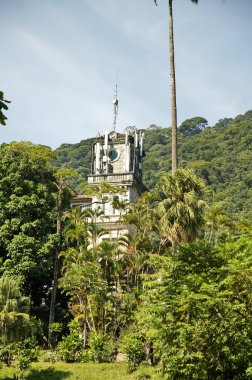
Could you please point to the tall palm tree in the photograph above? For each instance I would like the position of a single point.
(76, 230)
(180, 206)
(173, 89)
(81, 277)
(95, 231)
(63, 179)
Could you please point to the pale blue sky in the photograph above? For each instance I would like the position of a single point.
(60, 58)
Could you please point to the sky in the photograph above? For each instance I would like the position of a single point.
(60, 61)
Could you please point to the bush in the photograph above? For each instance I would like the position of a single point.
(55, 329)
(132, 345)
(96, 346)
(27, 352)
(7, 354)
(28, 348)
(70, 347)
(102, 348)
(49, 358)
(85, 356)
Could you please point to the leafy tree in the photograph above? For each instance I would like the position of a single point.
(194, 126)
(15, 322)
(93, 275)
(218, 224)
(77, 157)
(81, 278)
(26, 218)
(199, 311)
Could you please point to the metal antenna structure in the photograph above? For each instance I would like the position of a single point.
(115, 103)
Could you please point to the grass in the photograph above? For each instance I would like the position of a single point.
(81, 371)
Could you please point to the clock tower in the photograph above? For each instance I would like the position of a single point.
(117, 159)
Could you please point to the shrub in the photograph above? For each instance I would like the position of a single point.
(31, 349)
(132, 345)
(55, 329)
(7, 354)
(70, 347)
(102, 348)
(50, 358)
(27, 352)
(85, 356)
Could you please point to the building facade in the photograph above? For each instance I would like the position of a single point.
(117, 160)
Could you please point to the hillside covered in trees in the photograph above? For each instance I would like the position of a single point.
(175, 295)
(221, 155)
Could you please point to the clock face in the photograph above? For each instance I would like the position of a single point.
(113, 154)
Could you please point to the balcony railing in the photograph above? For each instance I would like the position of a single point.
(123, 178)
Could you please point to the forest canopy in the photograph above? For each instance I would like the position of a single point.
(175, 294)
(220, 154)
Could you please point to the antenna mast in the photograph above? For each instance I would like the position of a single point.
(115, 103)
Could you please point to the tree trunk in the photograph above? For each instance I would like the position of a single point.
(173, 93)
(85, 324)
(51, 342)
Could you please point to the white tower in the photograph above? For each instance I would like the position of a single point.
(117, 160)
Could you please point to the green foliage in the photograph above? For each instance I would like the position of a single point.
(15, 322)
(193, 127)
(3, 105)
(220, 154)
(69, 349)
(7, 353)
(180, 206)
(56, 329)
(24, 353)
(101, 348)
(50, 358)
(97, 346)
(75, 156)
(27, 215)
(132, 345)
(199, 312)
(29, 347)
(27, 351)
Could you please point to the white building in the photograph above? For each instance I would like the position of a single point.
(117, 160)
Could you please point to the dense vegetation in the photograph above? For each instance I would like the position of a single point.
(176, 295)
(222, 155)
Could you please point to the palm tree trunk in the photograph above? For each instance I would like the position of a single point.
(85, 324)
(173, 93)
(56, 268)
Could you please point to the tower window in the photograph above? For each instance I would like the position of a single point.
(113, 154)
